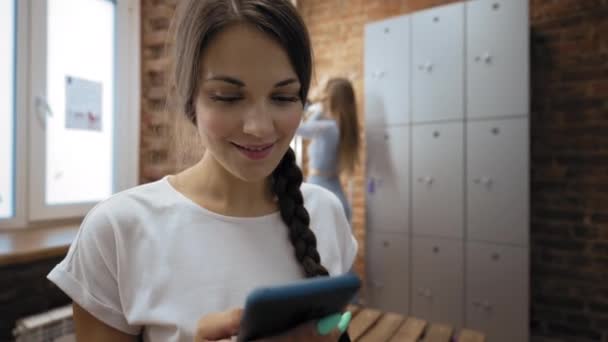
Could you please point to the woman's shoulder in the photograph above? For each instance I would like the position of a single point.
(143, 194)
(126, 205)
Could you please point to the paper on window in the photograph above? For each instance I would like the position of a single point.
(83, 104)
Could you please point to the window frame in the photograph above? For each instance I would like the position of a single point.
(28, 178)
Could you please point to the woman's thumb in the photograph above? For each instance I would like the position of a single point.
(219, 325)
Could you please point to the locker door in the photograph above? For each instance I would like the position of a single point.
(438, 63)
(386, 56)
(437, 280)
(388, 179)
(497, 58)
(388, 271)
(498, 181)
(497, 284)
(437, 180)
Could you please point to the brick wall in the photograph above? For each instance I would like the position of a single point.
(570, 169)
(25, 291)
(569, 129)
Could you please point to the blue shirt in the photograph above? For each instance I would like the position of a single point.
(325, 138)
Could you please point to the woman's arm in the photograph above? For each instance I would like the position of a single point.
(90, 329)
(310, 129)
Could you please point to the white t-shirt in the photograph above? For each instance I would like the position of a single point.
(150, 258)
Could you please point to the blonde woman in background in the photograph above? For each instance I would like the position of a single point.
(333, 128)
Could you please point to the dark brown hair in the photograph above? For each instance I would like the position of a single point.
(341, 104)
(196, 24)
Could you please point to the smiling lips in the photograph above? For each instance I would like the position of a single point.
(255, 152)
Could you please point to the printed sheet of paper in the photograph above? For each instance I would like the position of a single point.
(83, 104)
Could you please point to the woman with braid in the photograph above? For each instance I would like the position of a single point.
(174, 260)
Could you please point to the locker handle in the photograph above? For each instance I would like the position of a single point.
(487, 181)
(425, 293)
(378, 74)
(428, 180)
(428, 66)
(377, 285)
(486, 306)
(487, 58)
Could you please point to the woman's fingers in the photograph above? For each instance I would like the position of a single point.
(328, 329)
(217, 326)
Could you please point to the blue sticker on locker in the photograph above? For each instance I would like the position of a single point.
(371, 186)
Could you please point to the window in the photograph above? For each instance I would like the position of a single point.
(7, 108)
(81, 107)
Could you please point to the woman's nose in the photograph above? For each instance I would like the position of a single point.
(258, 121)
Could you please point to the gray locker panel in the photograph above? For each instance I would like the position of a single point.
(497, 283)
(386, 75)
(438, 63)
(498, 181)
(388, 272)
(437, 179)
(497, 58)
(388, 179)
(438, 280)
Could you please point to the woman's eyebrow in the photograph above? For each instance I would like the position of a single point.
(239, 83)
(227, 79)
(285, 82)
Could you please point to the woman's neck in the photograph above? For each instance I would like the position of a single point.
(210, 185)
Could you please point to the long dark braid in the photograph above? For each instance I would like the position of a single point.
(286, 181)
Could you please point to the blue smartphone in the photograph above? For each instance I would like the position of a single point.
(272, 310)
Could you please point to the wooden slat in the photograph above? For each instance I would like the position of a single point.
(410, 331)
(439, 333)
(361, 322)
(385, 328)
(467, 335)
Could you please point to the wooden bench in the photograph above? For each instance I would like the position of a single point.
(370, 325)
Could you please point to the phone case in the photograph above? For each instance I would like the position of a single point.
(272, 310)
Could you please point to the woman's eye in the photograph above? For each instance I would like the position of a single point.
(227, 98)
(286, 98)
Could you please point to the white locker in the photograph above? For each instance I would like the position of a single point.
(463, 71)
(498, 181)
(388, 179)
(387, 54)
(497, 283)
(438, 280)
(497, 58)
(388, 261)
(437, 179)
(438, 64)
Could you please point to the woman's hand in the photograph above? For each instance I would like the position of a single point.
(328, 329)
(220, 326)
